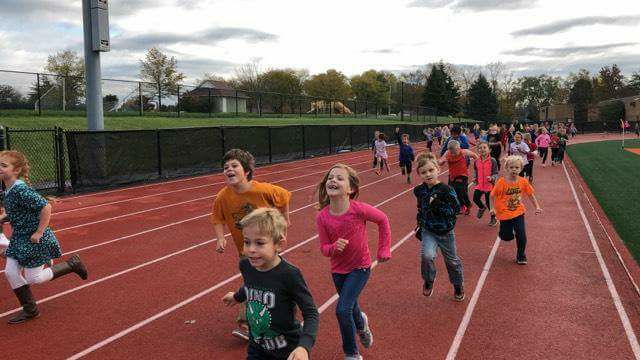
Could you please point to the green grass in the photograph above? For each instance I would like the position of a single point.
(613, 176)
(76, 120)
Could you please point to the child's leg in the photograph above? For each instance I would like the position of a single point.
(409, 169)
(375, 161)
(521, 236)
(447, 245)
(13, 273)
(386, 165)
(487, 196)
(464, 191)
(506, 230)
(477, 196)
(349, 287)
(428, 254)
(543, 154)
(38, 275)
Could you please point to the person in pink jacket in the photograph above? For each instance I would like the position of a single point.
(542, 142)
(341, 226)
(486, 173)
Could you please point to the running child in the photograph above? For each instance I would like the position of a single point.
(555, 147)
(519, 148)
(429, 135)
(437, 209)
(239, 197)
(272, 289)
(381, 153)
(376, 134)
(459, 172)
(485, 169)
(506, 204)
(543, 140)
(32, 243)
(528, 168)
(343, 238)
(563, 139)
(494, 140)
(406, 154)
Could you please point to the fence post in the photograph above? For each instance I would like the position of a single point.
(236, 103)
(300, 106)
(222, 140)
(64, 93)
(259, 104)
(330, 145)
(7, 138)
(140, 97)
(281, 105)
(38, 92)
(304, 143)
(376, 110)
(270, 155)
(355, 108)
(316, 107)
(159, 153)
(351, 137)
(59, 136)
(402, 101)
(330, 108)
(209, 97)
(178, 105)
(2, 130)
(159, 97)
(366, 107)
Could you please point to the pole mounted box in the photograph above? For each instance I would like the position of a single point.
(100, 25)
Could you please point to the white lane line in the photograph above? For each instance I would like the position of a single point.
(335, 296)
(161, 258)
(187, 201)
(624, 318)
(462, 328)
(198, 187)
(190, 300)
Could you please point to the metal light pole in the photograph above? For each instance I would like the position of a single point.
(95, 19)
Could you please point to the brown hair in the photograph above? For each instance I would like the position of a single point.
(245, 158)
(19, 161)
(382, 136)
(424, 158)
(269, 221)
(354, 183)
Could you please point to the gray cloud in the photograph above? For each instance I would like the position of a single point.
(565, 25)
(206, 37)
(567, 50)
(475, 5)
(34, 9)
(192, 68)
(380, 51)
(627, 62)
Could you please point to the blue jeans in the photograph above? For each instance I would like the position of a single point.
(430, 243)
(349, 287)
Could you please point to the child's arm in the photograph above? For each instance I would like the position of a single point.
(222, 240)
(384, 231)
(284, 210)
(470, 154)
(326, 247)
(304, 300)
(536, 204)
(238, 297)
(45, 216)
(443, 158)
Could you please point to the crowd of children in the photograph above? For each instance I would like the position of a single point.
(257, 216)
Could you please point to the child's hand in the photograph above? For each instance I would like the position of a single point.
(35, 238)
(538, 210)
(383, 259)
(2, 254)
(222, 243)
(299, 353)
(341, 244)
(229, 300)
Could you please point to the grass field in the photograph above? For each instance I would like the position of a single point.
(613, 176)
(155, 121)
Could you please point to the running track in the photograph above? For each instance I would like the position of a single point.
(156, 282)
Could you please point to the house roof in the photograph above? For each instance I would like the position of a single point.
(218, 88)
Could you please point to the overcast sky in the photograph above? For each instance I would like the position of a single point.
(216, 36)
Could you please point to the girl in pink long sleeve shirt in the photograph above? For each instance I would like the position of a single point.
(342, 231)
(542, 142)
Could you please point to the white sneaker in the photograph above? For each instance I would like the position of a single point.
(354, 357)
(366, 337)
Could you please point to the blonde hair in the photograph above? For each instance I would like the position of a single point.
(354, 183)
(424, 158)
(526, 136)
(513, 159)
(269, 221)
(20, 161)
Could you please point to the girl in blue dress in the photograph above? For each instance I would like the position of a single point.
(32, 243)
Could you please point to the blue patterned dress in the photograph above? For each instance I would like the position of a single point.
(23, 205)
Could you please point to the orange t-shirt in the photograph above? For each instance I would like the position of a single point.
(508, 197)
(230, 207)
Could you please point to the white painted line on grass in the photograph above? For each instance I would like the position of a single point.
(191, 299)
(462, 328)
(624, 318)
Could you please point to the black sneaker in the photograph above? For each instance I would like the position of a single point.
(427, 289)
(493, 221)
(481, 212)
(467, 210)
(458, 293)
(522, 260)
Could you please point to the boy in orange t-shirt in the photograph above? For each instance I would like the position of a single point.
(506, 204)
(236, 200)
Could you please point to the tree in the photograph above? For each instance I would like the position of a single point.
(329, 85)
(483, 102)
(634, 82)
(248, 77)
(612, 111)
(609, 84)
(440, 91)
(208, 77)
(109, 101)
(373, 87)
(581, 96)
(10, 98)
(70, 68)
(534, 92)
(285, 81)
(496, 71)
(159, 69)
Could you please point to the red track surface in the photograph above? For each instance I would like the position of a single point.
(153, 267)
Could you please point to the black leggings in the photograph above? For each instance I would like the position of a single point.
(543, 154)
(477, 199)
(459, 184)
(527, 171)
(495, 153)
(406, 167)
(511, 227)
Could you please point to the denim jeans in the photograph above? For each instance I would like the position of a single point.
(447, 245)
(254, 352)
(515, 227)
(348, 312)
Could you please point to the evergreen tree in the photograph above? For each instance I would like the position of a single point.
(483, 102)
(581, 96)
(441, 92)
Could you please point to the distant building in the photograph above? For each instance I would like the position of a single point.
(559, 112)
(631, 107)
(223, 98)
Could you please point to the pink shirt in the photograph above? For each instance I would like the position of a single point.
(352, 226)
(543, 140)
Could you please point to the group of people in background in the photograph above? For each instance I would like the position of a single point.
(256, 215)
